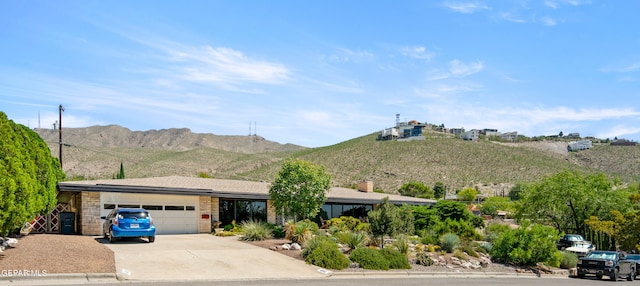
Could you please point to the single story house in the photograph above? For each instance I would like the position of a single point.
(192, 205)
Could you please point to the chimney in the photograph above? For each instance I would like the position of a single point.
(365, 186)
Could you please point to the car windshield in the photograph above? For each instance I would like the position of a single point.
(575, 238)
(132, 215)
(602, 255)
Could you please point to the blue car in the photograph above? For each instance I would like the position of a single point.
(128, 222)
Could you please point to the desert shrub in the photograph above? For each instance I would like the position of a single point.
(555, 259)
(493, 230)
(424, 259)
(352, 239)
(468, 248)
(459, 254)
(396, 259)
(402, 244)
(449, 242)
(526, 245)
(369, 258)
(277, 231)
(255, 230)
(314, 243)
(432, 248)
(300, 231)
(569, 260)
(428, 236)
(323, 252)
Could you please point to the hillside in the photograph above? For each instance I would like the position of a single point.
(173, 139)
(493, 167)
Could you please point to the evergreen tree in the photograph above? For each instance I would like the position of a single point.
(28, 175)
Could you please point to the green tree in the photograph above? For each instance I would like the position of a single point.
(390, 220)
(526, 245)
(491, 205)
(439, 190)
(299, 189)
(565, 200)
(467, 194)
(120, 174)
(416, 189)
(28, 175)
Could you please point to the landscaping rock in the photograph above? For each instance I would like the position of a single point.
(296, 246)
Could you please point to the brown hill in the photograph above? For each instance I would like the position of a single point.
(174, 139)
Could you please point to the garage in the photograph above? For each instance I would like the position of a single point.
(172, 214)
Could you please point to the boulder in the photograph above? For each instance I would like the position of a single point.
(286, 246)
(295, 246)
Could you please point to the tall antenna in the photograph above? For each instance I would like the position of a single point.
(38, 119)
(249, 128)
(60, 109)
(397, 119)
(255, 128)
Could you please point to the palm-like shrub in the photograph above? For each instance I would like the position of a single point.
(352, 239)
(300, 231)
(255, 230)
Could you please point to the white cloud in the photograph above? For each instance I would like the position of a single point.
(458, 68)
(345, 55)
(465, 7)
(548, 21)
(226, 65)
(551, 4)
(511, 17)
(417, 52)
(619, 131)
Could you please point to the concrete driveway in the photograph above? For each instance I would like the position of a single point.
(203, 257)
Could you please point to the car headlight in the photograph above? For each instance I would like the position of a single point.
(579, 261)
(609, 263)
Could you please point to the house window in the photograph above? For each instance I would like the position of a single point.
(242, 210)
(332, 210)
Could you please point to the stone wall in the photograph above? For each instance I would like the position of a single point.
(215, 209)
(271, 212)
(89, 219)
(205, 217)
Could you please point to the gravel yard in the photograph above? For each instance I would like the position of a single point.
(56, 253)
(275, 245)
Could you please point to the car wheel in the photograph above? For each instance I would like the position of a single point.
(111, 238)
(614, 275)
(152, 239)
(580, 275)
(599, 276)
(632, 275)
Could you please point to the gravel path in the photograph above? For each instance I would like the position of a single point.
(56, 253)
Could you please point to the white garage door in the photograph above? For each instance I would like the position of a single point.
(171, 214)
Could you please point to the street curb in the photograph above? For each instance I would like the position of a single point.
(377, 274)
(62, 276)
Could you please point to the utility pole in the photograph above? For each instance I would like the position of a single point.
(60, 109)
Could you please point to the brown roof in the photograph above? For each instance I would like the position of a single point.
(222, 188)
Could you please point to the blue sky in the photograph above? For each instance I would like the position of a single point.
(316, 73)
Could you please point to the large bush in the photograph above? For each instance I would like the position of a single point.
(569, 260)
(323, 252)
(396, 259)
(526, 245)
(369, 258)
